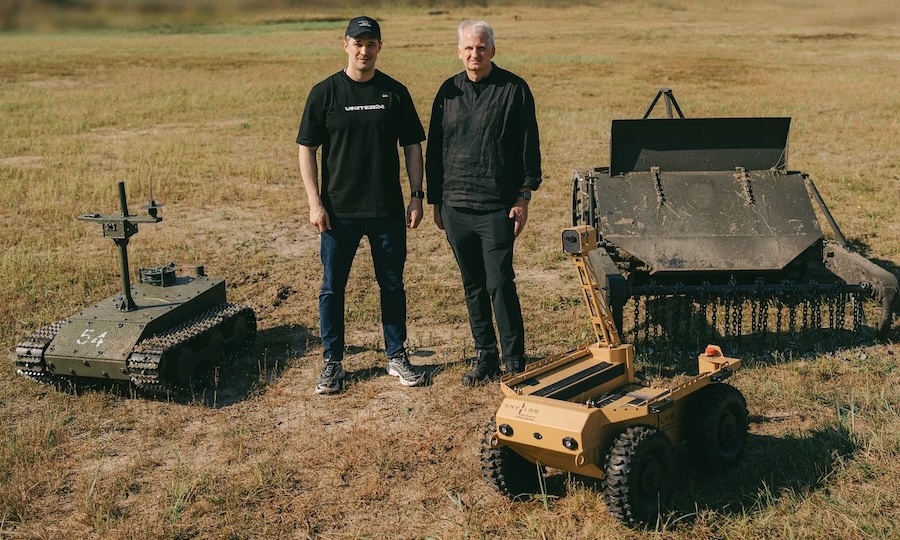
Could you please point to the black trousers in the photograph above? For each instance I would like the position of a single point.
(483, 245)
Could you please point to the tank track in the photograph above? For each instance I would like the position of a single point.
(30, 352)
(146, 363)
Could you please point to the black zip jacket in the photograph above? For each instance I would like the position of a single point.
(483, 145)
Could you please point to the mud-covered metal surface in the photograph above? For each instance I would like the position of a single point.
(707, 235)
(708, 220)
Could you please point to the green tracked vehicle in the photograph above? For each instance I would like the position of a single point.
(155, 334)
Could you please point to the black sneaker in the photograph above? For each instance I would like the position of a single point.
(399, 366)
(486, 367)
(514, 364)
(331, 377)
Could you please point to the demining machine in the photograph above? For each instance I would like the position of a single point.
(707, 235)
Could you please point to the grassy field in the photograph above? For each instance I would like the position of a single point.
(211, 114)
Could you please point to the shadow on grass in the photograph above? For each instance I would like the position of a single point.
(430, 370)
(216, 385)
(769, 468)
(250, 373)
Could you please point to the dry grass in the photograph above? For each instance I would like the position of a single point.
(213, 114)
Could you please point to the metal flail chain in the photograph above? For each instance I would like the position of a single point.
(816, 321)
(683, 315)
(842, 308)
(832, 312)
(857, 312)
(805, 316)
(779, 319)
(715, 311)
(672, 315)
(635, 327)
(754, 318)
(729, 302)
(704, 300)
(792, 318)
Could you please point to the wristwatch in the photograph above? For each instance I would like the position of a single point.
(525, 195)
(419, 194)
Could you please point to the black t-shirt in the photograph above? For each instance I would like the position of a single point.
(358, 125)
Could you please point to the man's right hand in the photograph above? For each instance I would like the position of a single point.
(318, 217)
(437, 217)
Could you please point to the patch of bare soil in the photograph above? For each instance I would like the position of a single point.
(53, 83)
(23, 162)
(240, 227)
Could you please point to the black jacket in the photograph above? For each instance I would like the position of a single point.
(483, 145)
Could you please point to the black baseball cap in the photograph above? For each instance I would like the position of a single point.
(363, 25)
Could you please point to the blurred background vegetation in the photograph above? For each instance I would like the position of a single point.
(48, 15)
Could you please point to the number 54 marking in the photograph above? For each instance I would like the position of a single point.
(88, 337)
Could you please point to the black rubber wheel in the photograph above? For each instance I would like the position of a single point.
(638, 481)
(513, 475)
(717, 427)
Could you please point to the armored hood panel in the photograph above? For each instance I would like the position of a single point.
(103, 332)
(708, 221)
(698, 144)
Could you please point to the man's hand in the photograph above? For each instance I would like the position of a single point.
(519, 213)
(318, 217)
(309, 173)
(414, 213)
(438, 220)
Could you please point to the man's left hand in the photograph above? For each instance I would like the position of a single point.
(414, 213)
(519, 213)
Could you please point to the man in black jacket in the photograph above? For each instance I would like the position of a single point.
(482, 164)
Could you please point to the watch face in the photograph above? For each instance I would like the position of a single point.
(525, 195)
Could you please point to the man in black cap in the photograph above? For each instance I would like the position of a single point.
(358, 116)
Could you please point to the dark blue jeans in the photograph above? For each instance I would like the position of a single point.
(387, 238)
(483, 245)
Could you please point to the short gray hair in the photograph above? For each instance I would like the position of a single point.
(479, 28)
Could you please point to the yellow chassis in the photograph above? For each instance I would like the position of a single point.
(564, 411)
